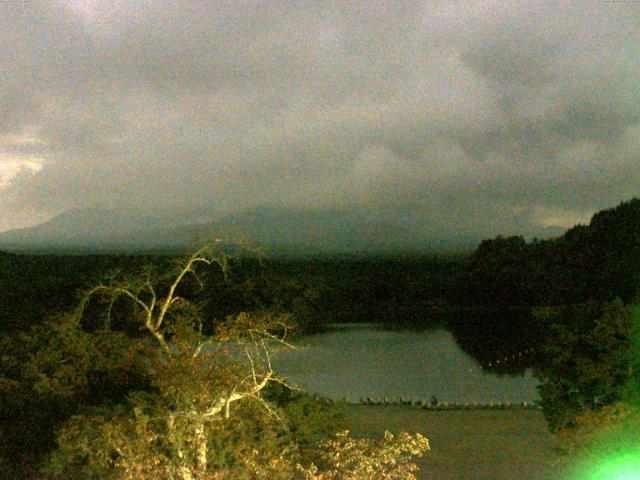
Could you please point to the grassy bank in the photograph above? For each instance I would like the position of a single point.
(473, 444)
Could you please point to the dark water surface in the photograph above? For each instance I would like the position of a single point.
(468, 444)
(354, 361)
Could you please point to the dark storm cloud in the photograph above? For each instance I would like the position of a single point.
(485, 117)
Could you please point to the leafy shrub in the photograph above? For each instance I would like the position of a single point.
(346, 458)
(51, 370)
(589, 428)
(588, 362)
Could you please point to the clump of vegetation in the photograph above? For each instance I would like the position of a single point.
(590, 388)
(593, 428)
(171, 401)
(48, 371)
(346, 458)
(590, 361)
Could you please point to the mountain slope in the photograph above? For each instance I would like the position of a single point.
(275, 230)
(329, 230)
(90, 228)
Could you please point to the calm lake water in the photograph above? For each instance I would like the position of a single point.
(354, 361)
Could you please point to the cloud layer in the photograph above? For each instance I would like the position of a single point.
(473, 117)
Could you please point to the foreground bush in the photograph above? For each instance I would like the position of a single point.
(589, 361)
(611, 423)
(598, 427)
(47, 373)
(345, 458)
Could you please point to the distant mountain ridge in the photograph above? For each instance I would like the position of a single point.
(274, 230)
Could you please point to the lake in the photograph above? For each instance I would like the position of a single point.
(363, 360)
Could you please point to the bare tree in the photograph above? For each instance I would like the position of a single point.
(202, 374)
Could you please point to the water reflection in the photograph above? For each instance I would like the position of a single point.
(364, 361)
(503, 341)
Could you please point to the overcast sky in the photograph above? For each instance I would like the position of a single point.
(483, 117)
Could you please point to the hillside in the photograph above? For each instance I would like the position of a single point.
(600, 260)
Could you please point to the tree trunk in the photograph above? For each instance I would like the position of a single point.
(183, 470)
(184, 473)
(201, 449)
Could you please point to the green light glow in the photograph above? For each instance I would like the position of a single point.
(625, 466)
(615, 454)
